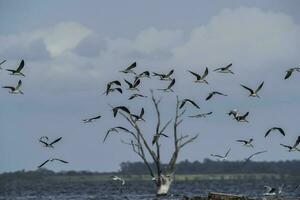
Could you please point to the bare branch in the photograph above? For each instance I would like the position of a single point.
(188, 141)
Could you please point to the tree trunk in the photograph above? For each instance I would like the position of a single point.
(164, 184)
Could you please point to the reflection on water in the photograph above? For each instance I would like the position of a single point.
(135, 190)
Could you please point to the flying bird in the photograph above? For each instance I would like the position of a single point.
(211, 94)
(224, 69)
(199, 78)
(51, 160)
(117, 178)
(164, 77)
(116, 130)
(140, 116)
(145, 74)
(247, 143)
(136, 95)
(129, 69)
(241, 118)
(252, 92)
(15, 90)
(290, 71)
(233, 112)
(133, 86)
(253, 155)
(294, 147)
(91, 119)
(201, 115)
(184, 101)
(110, 84)
(2, 63)
(122, 108)
(156, 137)
(225, 157)
(281, 131)
(169, 88)
(18, 70)
(46, 144)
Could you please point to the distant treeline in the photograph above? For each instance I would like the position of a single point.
(214, 167)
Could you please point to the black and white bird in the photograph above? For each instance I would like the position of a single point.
(15, 90)
(164, 77)
(2, 63)
(280, 130)
(184, 101)
(290, 71)
(233, 112)
(115, 130)
(51, 160)
(18, 70)
(225, 157)
(129, 69)
(145, 74)
(118, 108)
(241, 118)
(294, 147)
(211, 94)
(140, 116)
(247, 143)
(117, 178)
(253, 155)
(253, 93)
(224, 69)
(46, 144)
(156, 137)
(199, 78)
(88, 120)
(133, 96)
(110, 89)
(169, 88)
(271, 191)
(201, 115)
(133, 86)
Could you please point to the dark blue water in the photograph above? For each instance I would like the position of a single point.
(135, 190)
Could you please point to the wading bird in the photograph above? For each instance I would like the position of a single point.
(91, 119)
(15, 90)
(169, 88)
(290, 71)
(129, 69)
(122, 108)
(199, 78)
(46, 144)
(136, 95)
(116, 178)
(116, 130)
(133, 86)
(225, 157)
(201, 115)
(252, 92)
(164, 77)
(294, 147)
(247, 143)
(224, 69)
(273, 129)
(211, 94)
(18, 70)
(51, 160)
(184, 101)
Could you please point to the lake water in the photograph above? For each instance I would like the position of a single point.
(135, 190)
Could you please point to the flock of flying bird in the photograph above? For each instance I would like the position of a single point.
(116, 86)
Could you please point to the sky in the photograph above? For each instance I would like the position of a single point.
(72, 49)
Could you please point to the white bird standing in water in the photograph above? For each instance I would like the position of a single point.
(117, 178)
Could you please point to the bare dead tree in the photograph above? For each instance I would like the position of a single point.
(163, 177)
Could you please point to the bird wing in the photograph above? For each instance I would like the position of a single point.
(116, 82)
(227, 67)
(45, 143)
(220, 68)
(260, 152)
(129, 84)
(215, 155)
(97, 117)
(209, 96)
(170, 73)
(122, 128)
(267, 133)
(41, 165)
(287, 146)
(124, 109)
(9, 87)
(137, 82)
(281, 131)
(205, 73)
(20, 66)
(19, 85)
(171, 84)
(60, 160)
(193, 103)
(227, 152)
(259, 87)
(119, 90)
(246, 114)
(2, 62)
(288, 73)
(107, 133)
(242, 141)
(55, 140)
(142, 113)
(195, 74)
(250, 90)
(219, 93)
(182, 103)
(162, 134)
(297, 142)
(133, 65)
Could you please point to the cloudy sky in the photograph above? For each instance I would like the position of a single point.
(73, 48)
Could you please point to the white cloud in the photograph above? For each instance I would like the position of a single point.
(245, 35)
